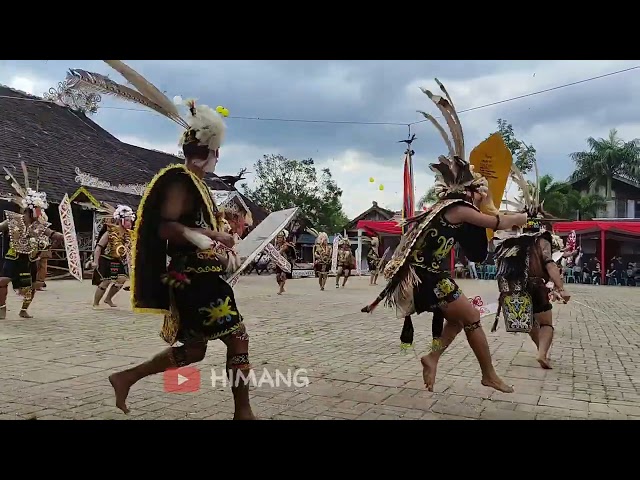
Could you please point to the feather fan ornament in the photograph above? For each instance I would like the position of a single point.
(203, 123)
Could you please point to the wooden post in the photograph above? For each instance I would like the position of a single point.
(603, 265)
(359, 253)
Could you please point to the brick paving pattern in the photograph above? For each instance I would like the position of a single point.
(55, 366)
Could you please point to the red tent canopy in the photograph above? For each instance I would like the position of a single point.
(385, 227)
(632, 228)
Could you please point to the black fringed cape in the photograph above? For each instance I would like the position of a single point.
(149, 252)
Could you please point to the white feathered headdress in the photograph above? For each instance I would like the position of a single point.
(123, 212)
(109, 213)
(202, 124)
(26, 196)
(322, 237)
(454, 174)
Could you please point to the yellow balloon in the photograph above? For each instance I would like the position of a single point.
(222, 111)
(381, 187)
(371, 180)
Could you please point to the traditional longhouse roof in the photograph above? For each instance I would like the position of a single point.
(71, 151)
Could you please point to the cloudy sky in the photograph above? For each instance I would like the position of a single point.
(374, 100)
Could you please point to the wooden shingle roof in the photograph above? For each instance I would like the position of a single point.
(64, 143)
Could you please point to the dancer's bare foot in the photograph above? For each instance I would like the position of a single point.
(25, 314)
(497, 384)
(110, 303)
(544, 363)
(244, 415)
(429, 370)
(121, 388)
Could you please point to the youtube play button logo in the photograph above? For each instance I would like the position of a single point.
(182, 380)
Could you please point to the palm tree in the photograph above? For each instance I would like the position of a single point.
(555, 195)
(606, 158)
(562, 201)
(587, 207)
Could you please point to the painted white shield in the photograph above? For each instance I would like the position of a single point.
(70, 238)
(254, 243)
(334, 253)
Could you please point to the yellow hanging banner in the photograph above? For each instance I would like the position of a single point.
(492, 159)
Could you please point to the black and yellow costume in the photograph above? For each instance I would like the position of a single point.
(346, 260)
(289, 254)
(22, 250)
(417, 281)
(522, 278)
(322, 258)
(199, 305)
(113, 260)
(522, 260)
(373, 259)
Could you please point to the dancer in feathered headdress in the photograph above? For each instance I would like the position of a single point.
(177, 219)
(112, 254)
(322, 252)
(373, 259)
(346, 262)
(286, 255)
(527, 274)
(29, 236)
(417, 282)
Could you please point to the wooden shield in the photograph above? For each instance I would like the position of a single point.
(492, 159)
(334, 253)
(70, 238)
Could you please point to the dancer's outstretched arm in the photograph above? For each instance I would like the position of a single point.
(464, 214)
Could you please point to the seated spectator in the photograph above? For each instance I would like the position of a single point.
(612, 274)
(596, 274)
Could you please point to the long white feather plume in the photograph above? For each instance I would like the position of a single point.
(441, 103)
(143, 86)
(444, 135)
(518, 177)
(453, 112)
(25, 173)
(78, 79)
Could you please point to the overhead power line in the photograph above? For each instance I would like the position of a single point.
(354, 122)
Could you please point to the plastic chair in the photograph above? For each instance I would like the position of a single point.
(490, 273)
(568, 275)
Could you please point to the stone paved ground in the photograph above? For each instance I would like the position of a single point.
(55, 366)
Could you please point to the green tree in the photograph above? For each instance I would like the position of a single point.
(523, 155)
(285, 183)
(586, 207)
(563, 201)
(605, 158)
(555, 195)
(429, 197)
